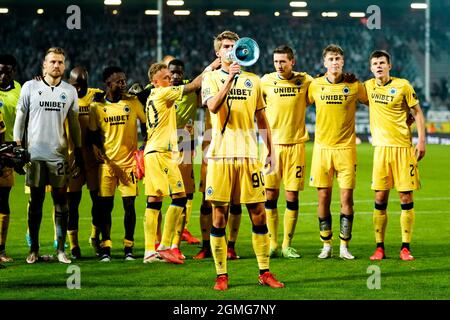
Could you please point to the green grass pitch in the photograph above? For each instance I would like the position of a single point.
(306, 278)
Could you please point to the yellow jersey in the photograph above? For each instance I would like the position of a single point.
(8, 102)
(238, 138)
(186, 107)
(389, 107)
(335, 111)
(117, 122)
(161, 119)
(286, 106)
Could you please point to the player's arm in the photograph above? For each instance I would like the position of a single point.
(362, 94)
(419, 118)
(93, 134)
(309, 95)
(142, 122)
(215, 103)
(264, 131)
(22, 108)
(75, 135)
(196, 84)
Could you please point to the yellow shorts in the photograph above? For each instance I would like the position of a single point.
(7, 178)
(235, 180)
(326, 163)
(290, 168)
(395, 166)
(122, 178)
(162, 176)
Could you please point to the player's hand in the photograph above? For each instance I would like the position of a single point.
(349, 77)
(269, 165)
(234, 70)
(98, 153)
(99, 97)
(420, 150)
(135, 89)
(78, 165)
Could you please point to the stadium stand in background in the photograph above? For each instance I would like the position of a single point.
(128, 39)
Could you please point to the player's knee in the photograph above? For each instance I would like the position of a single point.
(235, 209)
(260, 229)
(381, 206)
(407, 206)
(406, 197)
(179, 202)
(271, 204)
(36, 201)
(154, 205)
(205, 211)
(128, 202)
(292, 205)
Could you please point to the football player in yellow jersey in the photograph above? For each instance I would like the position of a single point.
(395, 158)
(234, 174)
(9, 95)
(113, 123)
(161, 152)
(334, 152)
(186, 109)
(205, 208)
(284, 92)
(89, 176)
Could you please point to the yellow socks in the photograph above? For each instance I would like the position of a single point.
(219, 249)
(407, 221)
(260, 242)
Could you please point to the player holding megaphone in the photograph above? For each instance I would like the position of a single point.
(234, 172)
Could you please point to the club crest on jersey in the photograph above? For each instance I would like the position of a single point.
(209, 191)
(179, 184)
(393, 91)
(63, 97)
(176, 106)
(104, 109)
(1, 103)
(248, 83)
(346, 90)
(298, 82)
(126, 109)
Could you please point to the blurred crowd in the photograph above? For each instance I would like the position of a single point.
(129, 40)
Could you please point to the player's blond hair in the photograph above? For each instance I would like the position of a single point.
(55, 50)
(334, 48)
(154, 68)
(229, 35)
